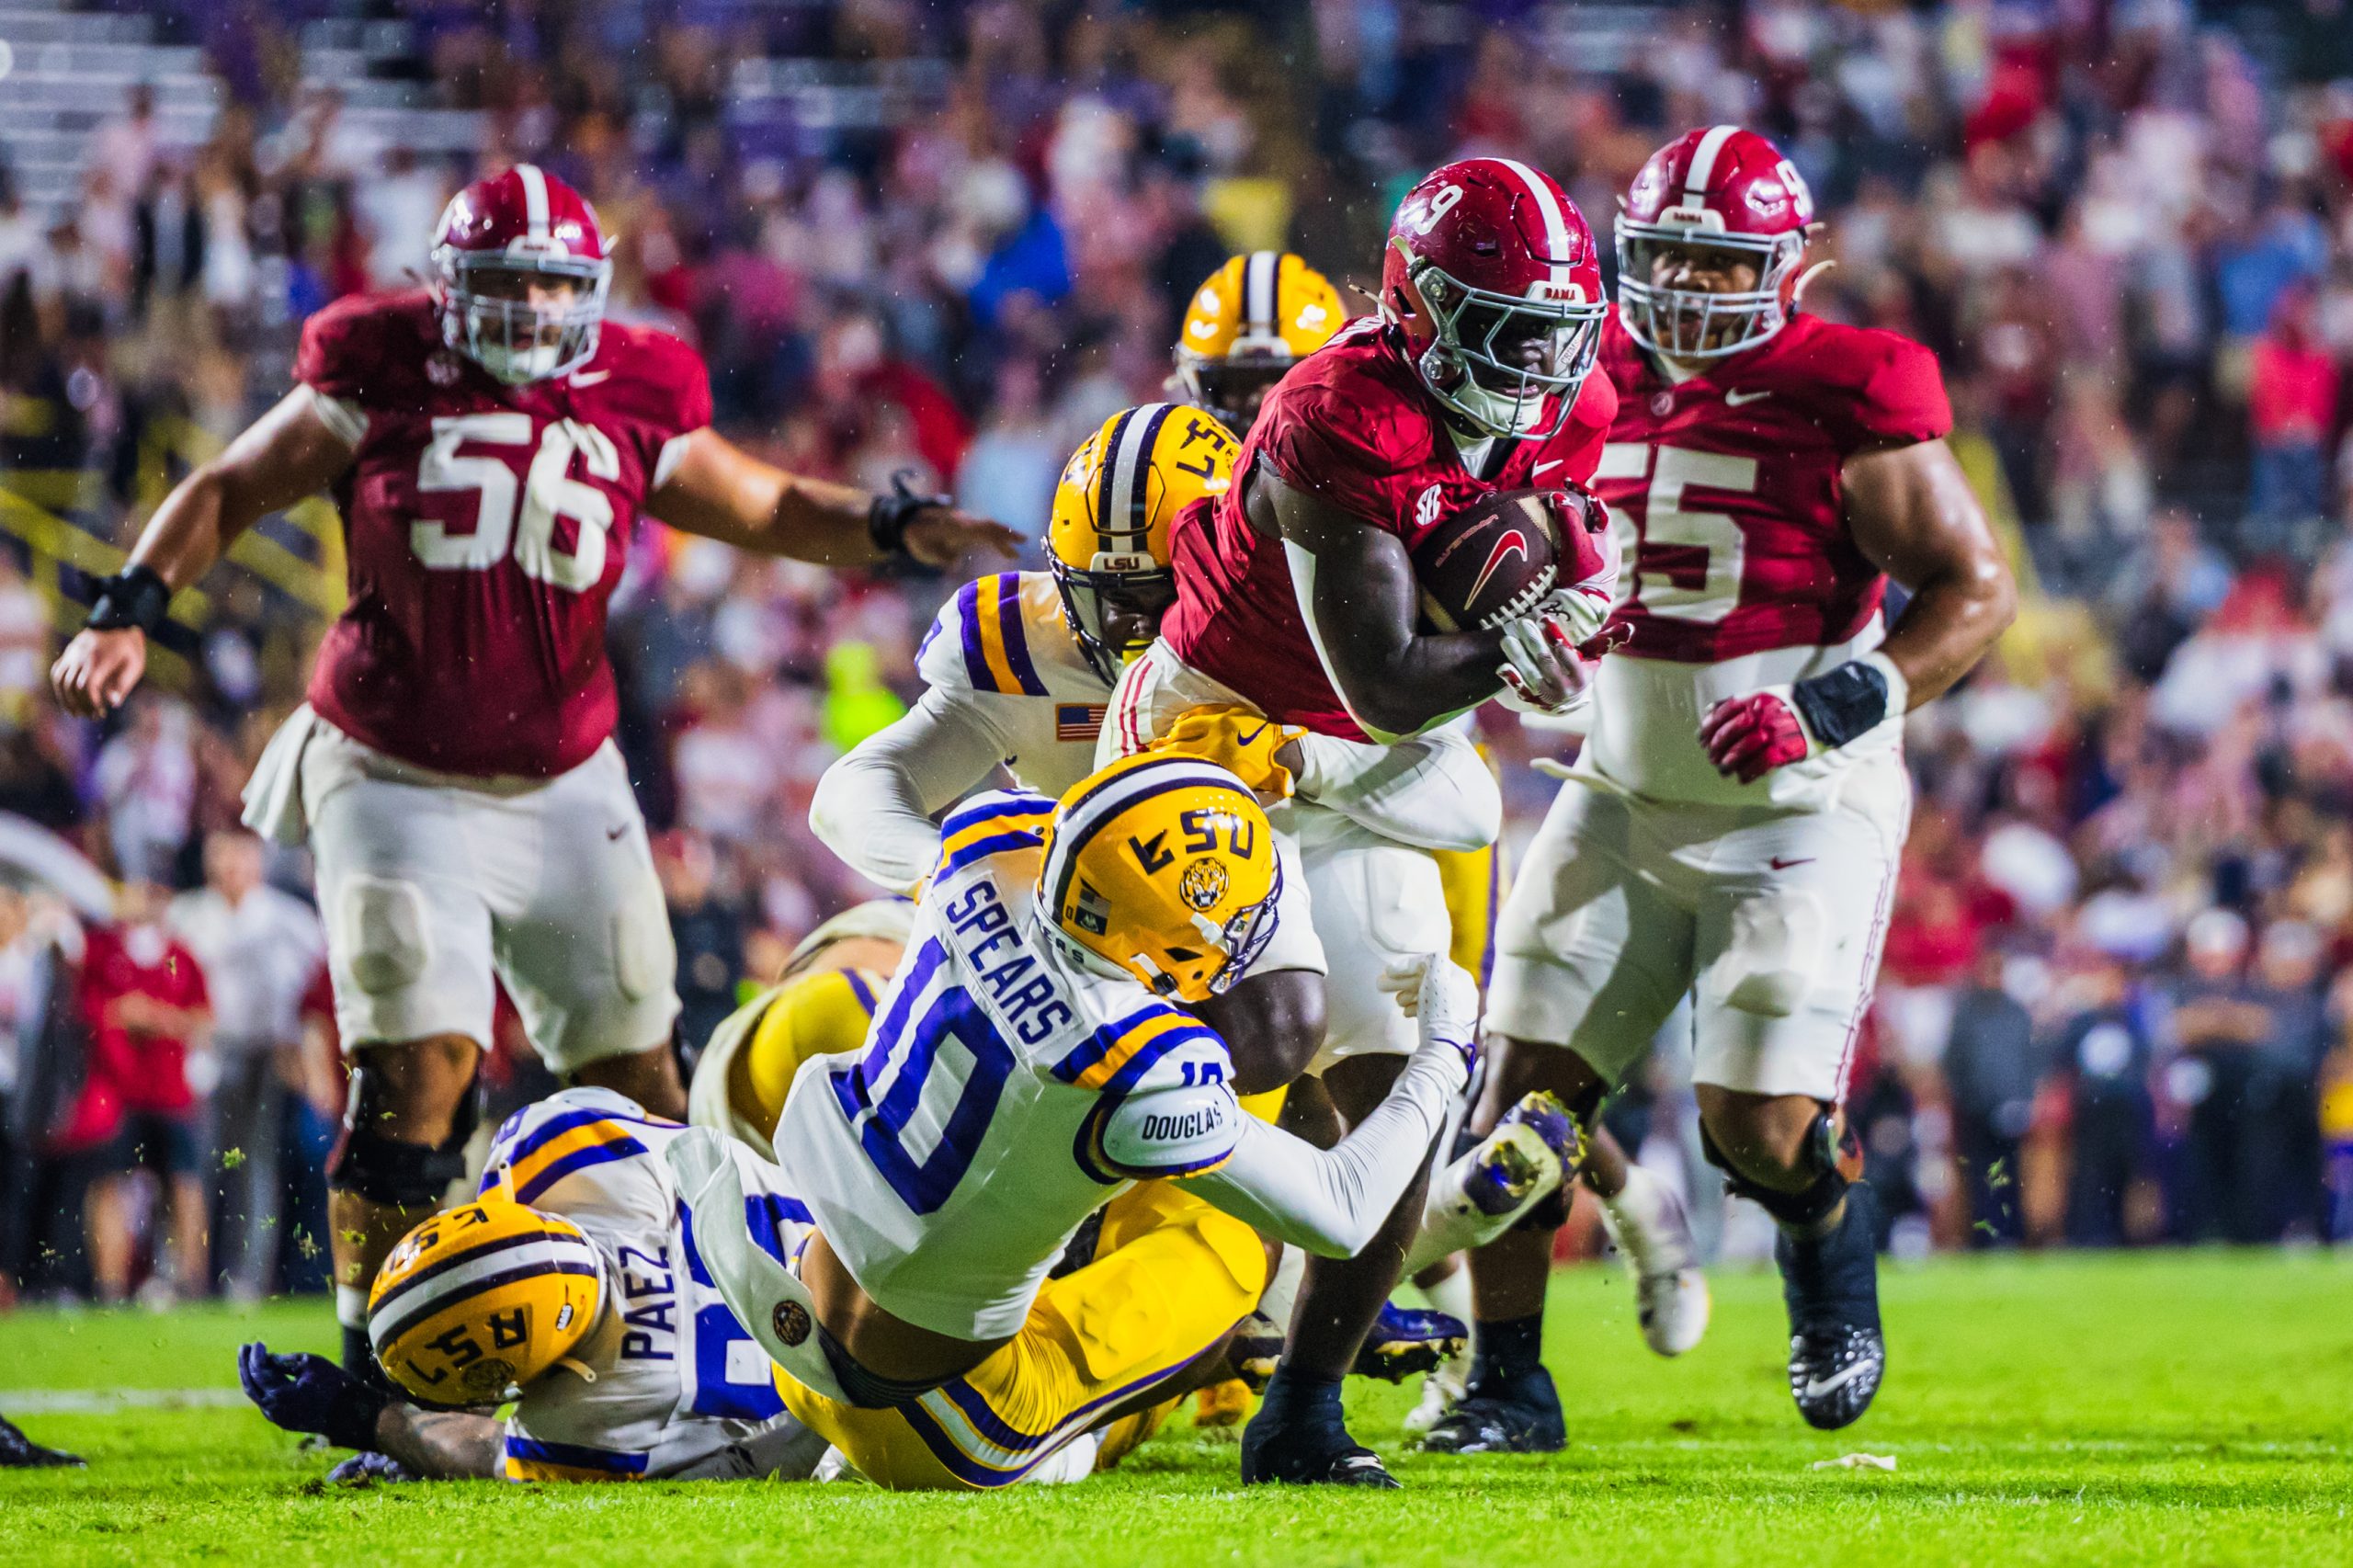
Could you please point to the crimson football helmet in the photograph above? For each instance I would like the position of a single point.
(1491, 275)
(494, 238)
(1718, 188)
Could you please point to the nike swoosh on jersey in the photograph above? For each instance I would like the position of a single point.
(1781, 865)
(1540, 468)
(1837, 1381)
(1735, 399)
(590, 377)
(1513, 541)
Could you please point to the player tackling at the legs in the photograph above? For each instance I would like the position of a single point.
(1733, 825)
(490, 442)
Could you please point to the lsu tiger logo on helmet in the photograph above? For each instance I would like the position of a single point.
(1162, 866)
(1107, 542)
(482, 1299)
(1249, 322)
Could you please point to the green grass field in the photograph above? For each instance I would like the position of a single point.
(2172, 1408)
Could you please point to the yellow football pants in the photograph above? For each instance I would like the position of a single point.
(1475, 882)
(1171, 1275)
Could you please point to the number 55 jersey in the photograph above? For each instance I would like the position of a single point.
(1740, 571)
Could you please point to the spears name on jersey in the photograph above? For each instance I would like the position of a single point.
(1352, 425)
(1001, 648)
(1726, 490)
(486, 526)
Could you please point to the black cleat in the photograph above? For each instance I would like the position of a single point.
(1836, 1352)
(1316, 1457)
(20, 1453)
(1503, 1416)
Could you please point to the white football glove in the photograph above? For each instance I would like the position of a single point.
(1542, 672)
(1438, 994)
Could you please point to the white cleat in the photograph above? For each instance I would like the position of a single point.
(1651, 1233)
(1440, 1389)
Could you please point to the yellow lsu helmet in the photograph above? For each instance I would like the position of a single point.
(1162, 866)
(483, 1297)
(1248, 323)
(1107, 542)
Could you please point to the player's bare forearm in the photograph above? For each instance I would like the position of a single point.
(722, 492)
(284, 455)
(287, 454)
(447, 1445)
(1912, 514)
(1362, 604)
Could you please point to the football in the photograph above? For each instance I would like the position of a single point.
(1495, 559)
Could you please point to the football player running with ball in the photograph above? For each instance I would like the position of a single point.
(1733, 825)
(491, 443)
(1298, 598)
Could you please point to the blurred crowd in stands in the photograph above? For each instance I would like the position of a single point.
(950, 238)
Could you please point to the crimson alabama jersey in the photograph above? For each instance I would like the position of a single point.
(1353, 424)
(486, 525)
(1740, 571)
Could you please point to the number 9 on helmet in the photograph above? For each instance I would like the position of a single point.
(1164, 867)
(483, 1297)
(1109, 542)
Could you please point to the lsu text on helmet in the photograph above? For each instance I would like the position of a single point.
(1250, 321)
(520, 271)
(483, 1297)
(1491, 276)
(1164, 867)
(1721, 194)
(1107, 542)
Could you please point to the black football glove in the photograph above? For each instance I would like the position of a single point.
(309, 1393)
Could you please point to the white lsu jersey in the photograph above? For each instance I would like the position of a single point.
(1002, 650)
(1007, 1091)
(678, 1383)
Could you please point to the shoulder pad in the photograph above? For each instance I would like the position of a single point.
(571, 1132)
(1176, 1130)
(980, 641)
(992, 823)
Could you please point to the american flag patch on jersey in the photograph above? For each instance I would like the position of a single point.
(1078, 720)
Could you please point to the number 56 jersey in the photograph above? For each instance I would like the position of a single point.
(1740, 571)
(486, 527)
(1006, 1092)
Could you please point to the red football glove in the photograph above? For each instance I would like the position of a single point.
(1747, 737)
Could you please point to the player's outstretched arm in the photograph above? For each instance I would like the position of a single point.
(722, 492)
(874, 806)
(445, 1445)
(1357, 591)
(303, 1392)
(1331, 1201)
(1912, 512)
(288, 453)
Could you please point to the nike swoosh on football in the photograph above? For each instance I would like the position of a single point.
(1837, 1381)
(1781, 865)
(1540, 468)
(1513, 541)
(590, 377)
(1735, 399)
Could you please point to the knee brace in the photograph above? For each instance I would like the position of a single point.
(1831, 1154)
(392, 1170)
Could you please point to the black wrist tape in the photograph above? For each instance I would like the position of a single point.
(888, 517)
(1840, 704)
(136, 596)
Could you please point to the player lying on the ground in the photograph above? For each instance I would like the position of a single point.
(572, 1282)
(491, 443)
(1734, 822)
(1367, 577)
(1037, 1051)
